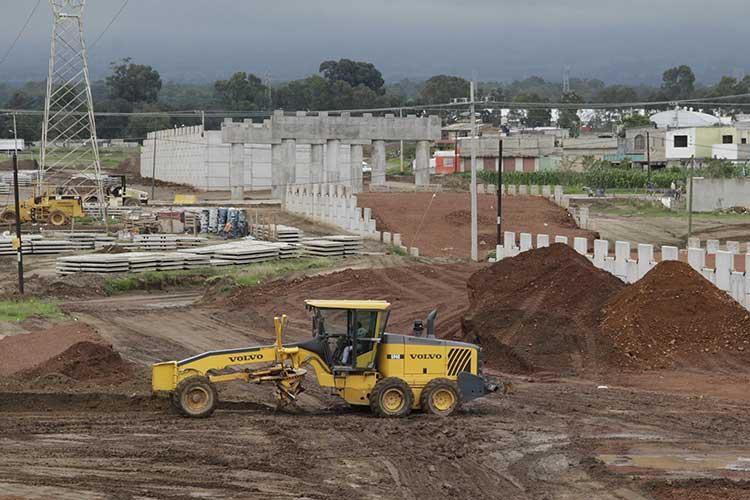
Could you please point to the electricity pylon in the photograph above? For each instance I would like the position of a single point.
(70, 154)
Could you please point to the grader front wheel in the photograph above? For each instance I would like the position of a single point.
(195, 397)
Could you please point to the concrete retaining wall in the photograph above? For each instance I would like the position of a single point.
(200, 159)
(337, 206)
(630, 262)
(718, 194)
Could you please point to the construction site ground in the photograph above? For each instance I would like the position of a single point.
(439, 223)
(659, 435)
(617, 435)
(648, 222)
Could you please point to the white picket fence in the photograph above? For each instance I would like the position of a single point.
(622, 264)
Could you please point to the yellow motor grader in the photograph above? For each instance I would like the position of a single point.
(351, 353)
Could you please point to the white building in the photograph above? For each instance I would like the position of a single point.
(8, 146)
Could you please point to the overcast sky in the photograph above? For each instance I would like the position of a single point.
(627, 41)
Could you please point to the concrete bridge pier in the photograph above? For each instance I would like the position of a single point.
(355, 173)
(236, 172)
(332, 161)
(316, 164)
(378, 163)
(422, 164)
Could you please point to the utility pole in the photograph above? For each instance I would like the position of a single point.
(648, 155)
(474, 228)
(153, 171)
(690, 200)
(18, 243)
(401, 115)
(500, 194)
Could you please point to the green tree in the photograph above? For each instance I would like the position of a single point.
(134, 83)
(242, 92)
(617, 93)
(678, 82)
(569, 118)
(355, 73)
(442, 88)
(535, 116)
(311, 94)
(635, 121)
(140, 126)
(29, 127)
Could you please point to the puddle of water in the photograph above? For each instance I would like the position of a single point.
(683, 462)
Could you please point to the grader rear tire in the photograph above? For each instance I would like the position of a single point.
(195, 397)
(391, 397)
(440, 397)
(57, 218)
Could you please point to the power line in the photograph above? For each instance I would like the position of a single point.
(20, 33)
(111, 22)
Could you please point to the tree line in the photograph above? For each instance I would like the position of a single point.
(342, 84)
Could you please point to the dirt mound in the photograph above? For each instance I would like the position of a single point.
(76, 286)
(413, 292)
(84, 361)
(25, 351)
(540, 311)
(674, 317)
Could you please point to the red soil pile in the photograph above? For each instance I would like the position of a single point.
(674, 317)
(540, 311)
(22, 352)
(83, 362)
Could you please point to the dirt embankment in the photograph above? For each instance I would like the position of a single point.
(79, 286)
(413, 292)
(674, 317)
(441, 226)
(551, 309)
(539, 311)
(62, 355)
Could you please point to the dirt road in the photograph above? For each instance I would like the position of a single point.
(547, 440)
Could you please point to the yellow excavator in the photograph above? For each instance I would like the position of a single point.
(351, 353)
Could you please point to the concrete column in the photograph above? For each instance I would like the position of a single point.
(289, 162)
(236, 172)
(422, 165)
(277, 172)
(378, 163)
(316, 163)
(332, 161)
(356, 168)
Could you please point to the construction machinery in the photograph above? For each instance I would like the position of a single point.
(56, 210)
(351, 353)
(116, 191)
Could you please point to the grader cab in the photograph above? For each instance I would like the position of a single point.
(350, 353)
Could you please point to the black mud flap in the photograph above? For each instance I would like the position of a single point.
(473, 387)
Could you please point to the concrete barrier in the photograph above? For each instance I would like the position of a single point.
(622, 264)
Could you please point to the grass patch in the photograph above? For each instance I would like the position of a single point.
(16, 311)
(248, 275)
(397, 250)
(641, 208)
